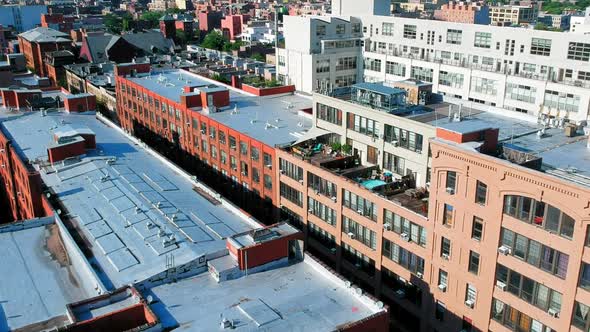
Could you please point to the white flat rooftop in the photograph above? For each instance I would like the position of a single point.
(285, 123)
(293, 298)
(37, 278)
(126, 210)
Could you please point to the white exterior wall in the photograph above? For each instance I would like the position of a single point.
(504, 66)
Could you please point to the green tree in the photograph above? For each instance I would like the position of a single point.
(213, 40)
(127, 22)
(183, 37)
(113, 23)
(153, 18)
(258, 57)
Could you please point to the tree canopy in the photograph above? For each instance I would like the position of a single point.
(213, 40)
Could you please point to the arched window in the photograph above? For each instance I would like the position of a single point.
(540, 214)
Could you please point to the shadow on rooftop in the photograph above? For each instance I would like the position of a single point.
(117, 149)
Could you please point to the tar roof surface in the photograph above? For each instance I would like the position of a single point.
(123, 239)
(286, 124)
(38, 280)
(293, 298)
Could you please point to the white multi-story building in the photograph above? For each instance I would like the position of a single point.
(522, 70)
(321, 52)
(581, 24)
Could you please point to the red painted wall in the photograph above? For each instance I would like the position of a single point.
(268, 91)
(62, 152)
(82, 103)
(378, 322)
(122, 320)
(125, 69)
(266, 252)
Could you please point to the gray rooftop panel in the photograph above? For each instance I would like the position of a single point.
(196, 234)
(122, 203)
(122, 259)
(109, 243)
(259, 312)
(221, 230)
(141, 187)
(99, 228)
(111, 193)
(87, 215)
(132, 178)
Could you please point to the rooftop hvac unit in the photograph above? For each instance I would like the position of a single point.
(451, 191)
(469, 303)
(504, 250)
(404, 237)
(442, 287)
(500, 285)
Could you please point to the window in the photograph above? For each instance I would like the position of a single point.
(340, 29)
(454, 36)
(439, 313)
(254, 153)
(578, 51)
(473, 262)
(329, 113)
(394, 163)
(322, 66)
(484, 86)
(232, 142)
(373, 64)
(387, 29)
(344, 80)
(403, 138)
(404, 258)
(443, 278)
(222, 138)
(421, 74)
(243, 148)
(539, 214)
(451, 182)
(584, 75)
(581, 318)
(323, 237)
(470, 293)
(232, 163)
(244, 168)
(529, 290)
(521, 92)
(483, 40)
(359, 204)
(223, 157)
(267, 181)
(321, 211)
(394, 68)
(363, 125)
(359, 233)
(454, 80)
(445, 247)
(540, 46)
(356, 27)
(357, 258)
(321, 185)
(477, 229)
(267, 160)
(255, 175)
(585, 276)
(515, 320)
(291, 170)
(320, 30)
(448, 215)
(291, 194)
(409, 31)
(481, 191)
(281, 60)
(401, 225)
(346, 63)
(562, 101)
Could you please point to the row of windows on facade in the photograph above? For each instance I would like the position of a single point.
(538, 46)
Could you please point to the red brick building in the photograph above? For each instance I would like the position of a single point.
(209, 20)
(20, 185)
(58, 22)
(203, 121)
(231, 25)
(36, 43)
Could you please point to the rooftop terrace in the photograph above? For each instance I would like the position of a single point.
(272, 120)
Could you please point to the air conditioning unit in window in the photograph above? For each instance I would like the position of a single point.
(442, 287)
(451, 191)
(400, 293)
(351, 235)
(301, 181)
(395, 143)
(419, 275)
(500, 285)
(282, 171)
(445, 257)
(553, 313)
(334, 198)
(310, 210)
(404, 237)
(387, 227)
(469, 303)
(359, 212)
(504, 250)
